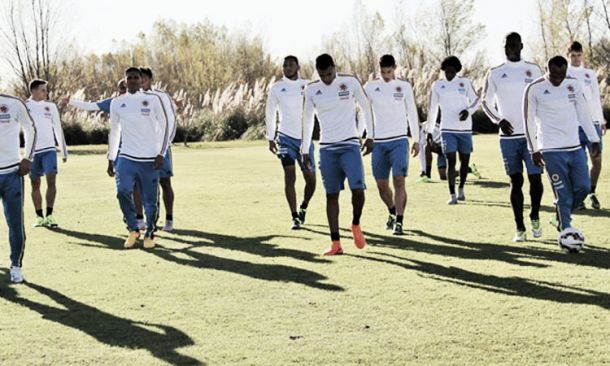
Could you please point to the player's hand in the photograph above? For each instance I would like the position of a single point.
(65, 160)
(159, 162)
(604, 128)
(415, 149)
(506, 127)
(595, 151)
(63, 101)
(367, 147)
(25, 166)
(110, 169)
(537, 157)
(307, 162)
(273, 147)
(464, 114)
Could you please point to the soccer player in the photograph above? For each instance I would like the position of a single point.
(49, 130)
(102, 105)
(167, 171)
(457, 101)
(139, 124)
(502, 102)
(588, 79)
(553, 107)
(14, 117)
(286, 99)
(425, 158)
(333, 99)
(393, 104)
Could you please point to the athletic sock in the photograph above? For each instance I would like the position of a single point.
(49, 211)
(139, 217)
(295, 215)
(392, 211)
(452, 189)
(304, 205)
(169, 217)
(335, 236)
(593, 186)
(428, 171)
(399, 219)
(356, 220)
(39, 213)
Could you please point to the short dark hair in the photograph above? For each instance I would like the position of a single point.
(575, 47)
(513, 35)
(121, 81)
(293, 58)
(387, 61)
(558, 61)
(324, 61)
(34, 84)
(451, 61)
(146, 71)
(133, 69)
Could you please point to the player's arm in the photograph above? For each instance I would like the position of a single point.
(271, 119)
(474, 99)
(529, 124)
(86, 106)
(488, 103)
(586, 121)
(412, 117)
(160, 116)
(433, 105)
(367, 115)
(307, 125)
(59, 133)
(596, 95)
(29, 134)
(114, 138)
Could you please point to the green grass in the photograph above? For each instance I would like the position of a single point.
(235, 286)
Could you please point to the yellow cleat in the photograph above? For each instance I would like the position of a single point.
(149, 242)
(131, 239)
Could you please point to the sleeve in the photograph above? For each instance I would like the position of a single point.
(104, 105)
(59, 132)
(271, 115)
(473, 98)
(87, 106)
(164, 127)
(365, 106)
(529, 118)
(412, 115)
(432, 109)
(584, 116)
(489, 100)
(29, 129)
(115, 132)
(170, 113)
(308, 123)
(597, 111)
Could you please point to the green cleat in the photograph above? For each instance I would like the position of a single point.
(536, 228)
(51, 222)
(555, 222)
(475, 171)
(40, 222)
(425, 179)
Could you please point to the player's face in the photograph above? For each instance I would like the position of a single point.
(387, 73)
(133, 81)
(146, 81)
(290, 69)
(328, 75)
(557, 74)
(40, 93)
(512, 49)
(575, 58)
(450, 72)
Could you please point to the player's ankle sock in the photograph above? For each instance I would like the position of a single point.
(428, 171)
(304, 205)
(356, 220)
(452, 190)
(169, 217)
(392, 211)
(593, 189)
(139, 217)
(295, 215)
(39, 213)
(520, 224)
(49, 211)
(335, 236)
(399, 219)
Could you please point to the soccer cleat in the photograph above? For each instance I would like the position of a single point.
(358, 237)
(555, 222)
(335, 249)
(50, 222)
(141, 224)
(581, 206)
(302, 214)
(40, 222)
(594, 201)
(16, 275)
(296, 223)
(425, 179)
(391, 221)
(168, 226)
(398, 229)
(519, 236)
(475, 171)
(452, 200)
(536, 228)
(149, 242)
(131, 239)
(461, 196)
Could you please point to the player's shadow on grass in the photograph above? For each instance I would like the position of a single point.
(486, 183)
(543, 208)
(162, 341)
(511, 286)
(198, 259)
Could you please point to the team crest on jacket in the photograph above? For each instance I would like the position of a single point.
(570, 88)
(587, 75)
(398, 89)
(145, 103)
(5, 117)
(461, 85)
(47, 109)
(528, 73)
(3, 108)
(343, 87)
(343, 93)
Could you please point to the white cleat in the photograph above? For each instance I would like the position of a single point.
(461, 196)
(536, 229)
(141, 225)
(452, 200)
(169, 226)
(519, 237)
(16, 275)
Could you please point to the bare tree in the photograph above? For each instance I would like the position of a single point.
(456, 31)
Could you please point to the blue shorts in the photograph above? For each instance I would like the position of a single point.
(337, 163)
(44, 163)
(289, 151)
(393, 155)
(584, 140)
(456, 142)
(441, 161)
(167, 170)
(514, 154)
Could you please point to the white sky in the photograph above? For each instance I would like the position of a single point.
(286, 27)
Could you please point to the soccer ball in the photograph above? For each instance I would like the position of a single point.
(571, 240)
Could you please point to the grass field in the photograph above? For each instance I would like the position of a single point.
(235, 286)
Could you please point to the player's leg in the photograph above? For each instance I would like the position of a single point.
(441, 165)
(51, 179)
(464, 149)
(332, 178)
(450, 145)
(513, 165)
(309, 175)
(399, 156)
(381, 164)
(137, 201)
(596, 168)
(166, 174)
(149, 183)
(291, 194)
(351, 165)
(580, 181)
(37, 200)
(125, 181)
(12, 193)
(534, 175)
(558, 171)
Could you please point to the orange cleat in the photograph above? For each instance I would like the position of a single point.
(335, 249)
(358, 237)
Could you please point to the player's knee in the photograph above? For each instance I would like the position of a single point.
(516, 181)
(166, 183)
